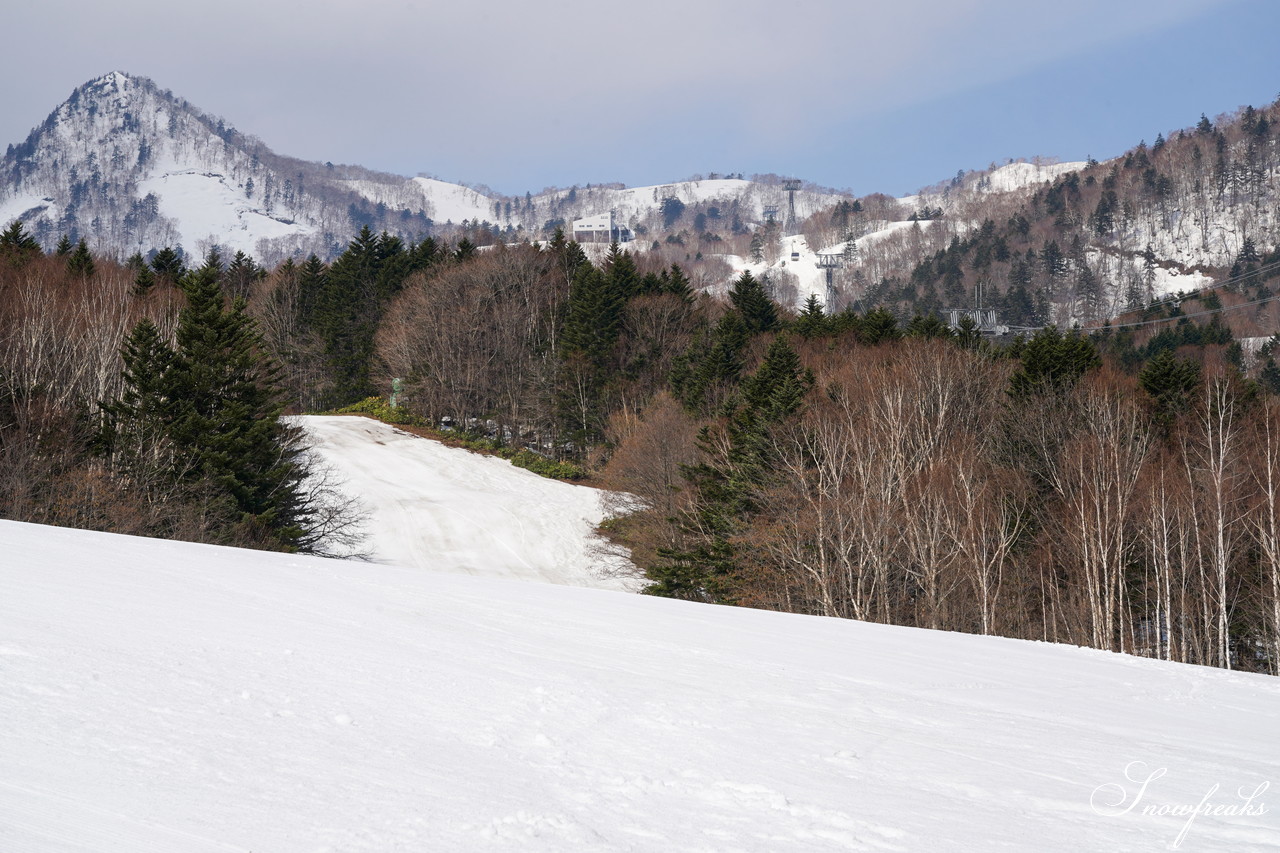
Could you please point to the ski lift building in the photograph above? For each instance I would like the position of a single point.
(601, 228)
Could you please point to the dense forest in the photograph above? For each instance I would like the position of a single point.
(1117, 488)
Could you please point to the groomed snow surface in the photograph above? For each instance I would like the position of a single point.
(441, 508)
(162, 696)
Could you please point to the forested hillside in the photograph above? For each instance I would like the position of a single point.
(1092, 243)
(1119, 489)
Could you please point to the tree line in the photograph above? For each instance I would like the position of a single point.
(1119, 490)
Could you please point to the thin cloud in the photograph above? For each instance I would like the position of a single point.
(490, 92)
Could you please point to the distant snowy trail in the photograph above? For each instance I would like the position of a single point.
(446, 509)
(162, 696)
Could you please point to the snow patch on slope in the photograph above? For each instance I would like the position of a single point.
(454, 202)
(448, 509)
(1016, 176)
(209, 210)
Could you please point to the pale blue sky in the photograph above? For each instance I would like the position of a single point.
(872, 97)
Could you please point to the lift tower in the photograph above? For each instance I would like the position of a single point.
(791, 185)
(830, 263)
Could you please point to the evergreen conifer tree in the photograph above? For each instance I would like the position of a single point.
(677, 284)
(225, 420)
(759, 314)
(135, 427)
(80, 262)
(812, 321)
(16, 245)
(727, 484)
(878, 326)
(1171, 382)
(1052, 363)
(621, 271)
(168, 265)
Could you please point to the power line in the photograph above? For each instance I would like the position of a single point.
(1195, 294)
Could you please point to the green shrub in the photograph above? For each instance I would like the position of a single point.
(380, 409)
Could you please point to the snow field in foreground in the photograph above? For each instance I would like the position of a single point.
(167, 696)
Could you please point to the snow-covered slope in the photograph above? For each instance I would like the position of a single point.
(1017, 176)
(167, 696)
(447, 509)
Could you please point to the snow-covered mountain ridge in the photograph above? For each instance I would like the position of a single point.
(132, 167)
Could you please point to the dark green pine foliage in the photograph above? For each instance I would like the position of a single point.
(1172, 383)
(80, 262)
(225, 423)
(846, 322)
(240, 275)
(134, 434)
(812, 322)
(927, 326)
(653, 283)
(593, 316)
(878, 326)
(167, 265)
(748, 296)
(64, 246)
(968, 336)
(1269, 375)
(1052, 363)
(143, 281)
(727, 483)
(344, 306)
(16, 245)
(592, 323)
(569, 257)
(714, 359)
(676, 283)
(311, 280)
(621, 271)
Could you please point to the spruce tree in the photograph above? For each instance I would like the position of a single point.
(621, 271)
(812, 322)
(16, 245)
(1052, 363)
(135, 427)
(878, 326)
(759, 314)
(168, 265)
(727, 484)
(226, 409)
(80, 262)
(593, 315)
(344, 305)
(1171, 382)
(677, 284)
(927, 326)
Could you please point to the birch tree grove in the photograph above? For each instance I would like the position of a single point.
(923, 484)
